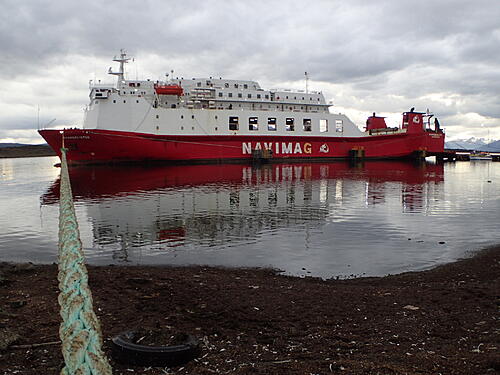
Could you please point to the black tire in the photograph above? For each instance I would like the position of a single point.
(125, 351)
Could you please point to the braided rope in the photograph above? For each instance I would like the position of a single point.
(80, 331)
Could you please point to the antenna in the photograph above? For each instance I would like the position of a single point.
(122, 60)
(307, 82)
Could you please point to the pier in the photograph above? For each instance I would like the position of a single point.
(454, 155)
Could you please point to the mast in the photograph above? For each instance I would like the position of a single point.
(122, 60)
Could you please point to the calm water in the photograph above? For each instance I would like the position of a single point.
(320, 219)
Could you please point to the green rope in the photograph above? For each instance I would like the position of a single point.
(80, 331)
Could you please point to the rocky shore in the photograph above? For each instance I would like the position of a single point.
(255, 321)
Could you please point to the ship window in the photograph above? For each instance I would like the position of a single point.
(266, 96)
(307, 124)
(220, 95)
(137, 101)
(253, 123)
(245, 86)
(95, 102)
(339, 126)
(323, 126)
(114, 101)
(290, 124)
(310, 98)
(182, 116)
(216, 117)
(123, 101)
(173, 106)
(157, 116)
(157, 128)
(240, 95)
(233, 123)
(249, 96)
(287, 97)
(271, 123)
(235, 85)
(258, 96)
(230, 94)
(138, 85)
(226, 85)
(198, 84)
(192, 116)
(302, 98)
(216, 128)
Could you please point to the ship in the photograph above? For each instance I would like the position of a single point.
(225, 120)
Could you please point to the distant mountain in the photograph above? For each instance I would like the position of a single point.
(477, 144)
(12, 145)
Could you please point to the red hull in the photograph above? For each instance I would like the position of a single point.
(107, 146)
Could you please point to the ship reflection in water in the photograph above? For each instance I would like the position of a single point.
(315, 218)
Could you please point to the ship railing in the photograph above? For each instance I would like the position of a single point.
(292, 91)
(99, 85)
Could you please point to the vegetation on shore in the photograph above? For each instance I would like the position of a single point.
(26, 151)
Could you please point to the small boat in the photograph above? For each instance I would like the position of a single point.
(480, 156)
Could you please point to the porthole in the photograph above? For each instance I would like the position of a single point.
(192, 116)
(216, 128)
(182, 116)
(192, 127)
(182, 127)
(157, 128)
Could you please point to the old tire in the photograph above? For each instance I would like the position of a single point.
(125, 351)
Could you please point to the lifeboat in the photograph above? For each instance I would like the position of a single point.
(169, 90)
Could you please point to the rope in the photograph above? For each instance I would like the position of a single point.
(79, 331)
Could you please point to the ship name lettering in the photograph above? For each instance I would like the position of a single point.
(286, 148)
(307, 148)
(279, 147)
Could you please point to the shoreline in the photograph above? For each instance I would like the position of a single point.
(26, 151)
(442, 320)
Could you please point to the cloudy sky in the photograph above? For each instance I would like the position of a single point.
(384, 56)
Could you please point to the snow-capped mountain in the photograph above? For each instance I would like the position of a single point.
(477, 144)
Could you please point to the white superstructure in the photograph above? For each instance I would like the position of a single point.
(211, 106)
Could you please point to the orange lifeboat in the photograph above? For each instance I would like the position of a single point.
(169, 90)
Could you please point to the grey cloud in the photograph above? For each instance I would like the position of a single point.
(375, 49)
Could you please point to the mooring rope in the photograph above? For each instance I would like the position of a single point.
(80, 331)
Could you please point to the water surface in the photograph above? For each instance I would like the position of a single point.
(319, 219)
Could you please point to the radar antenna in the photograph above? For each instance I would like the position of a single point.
(122, 60)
